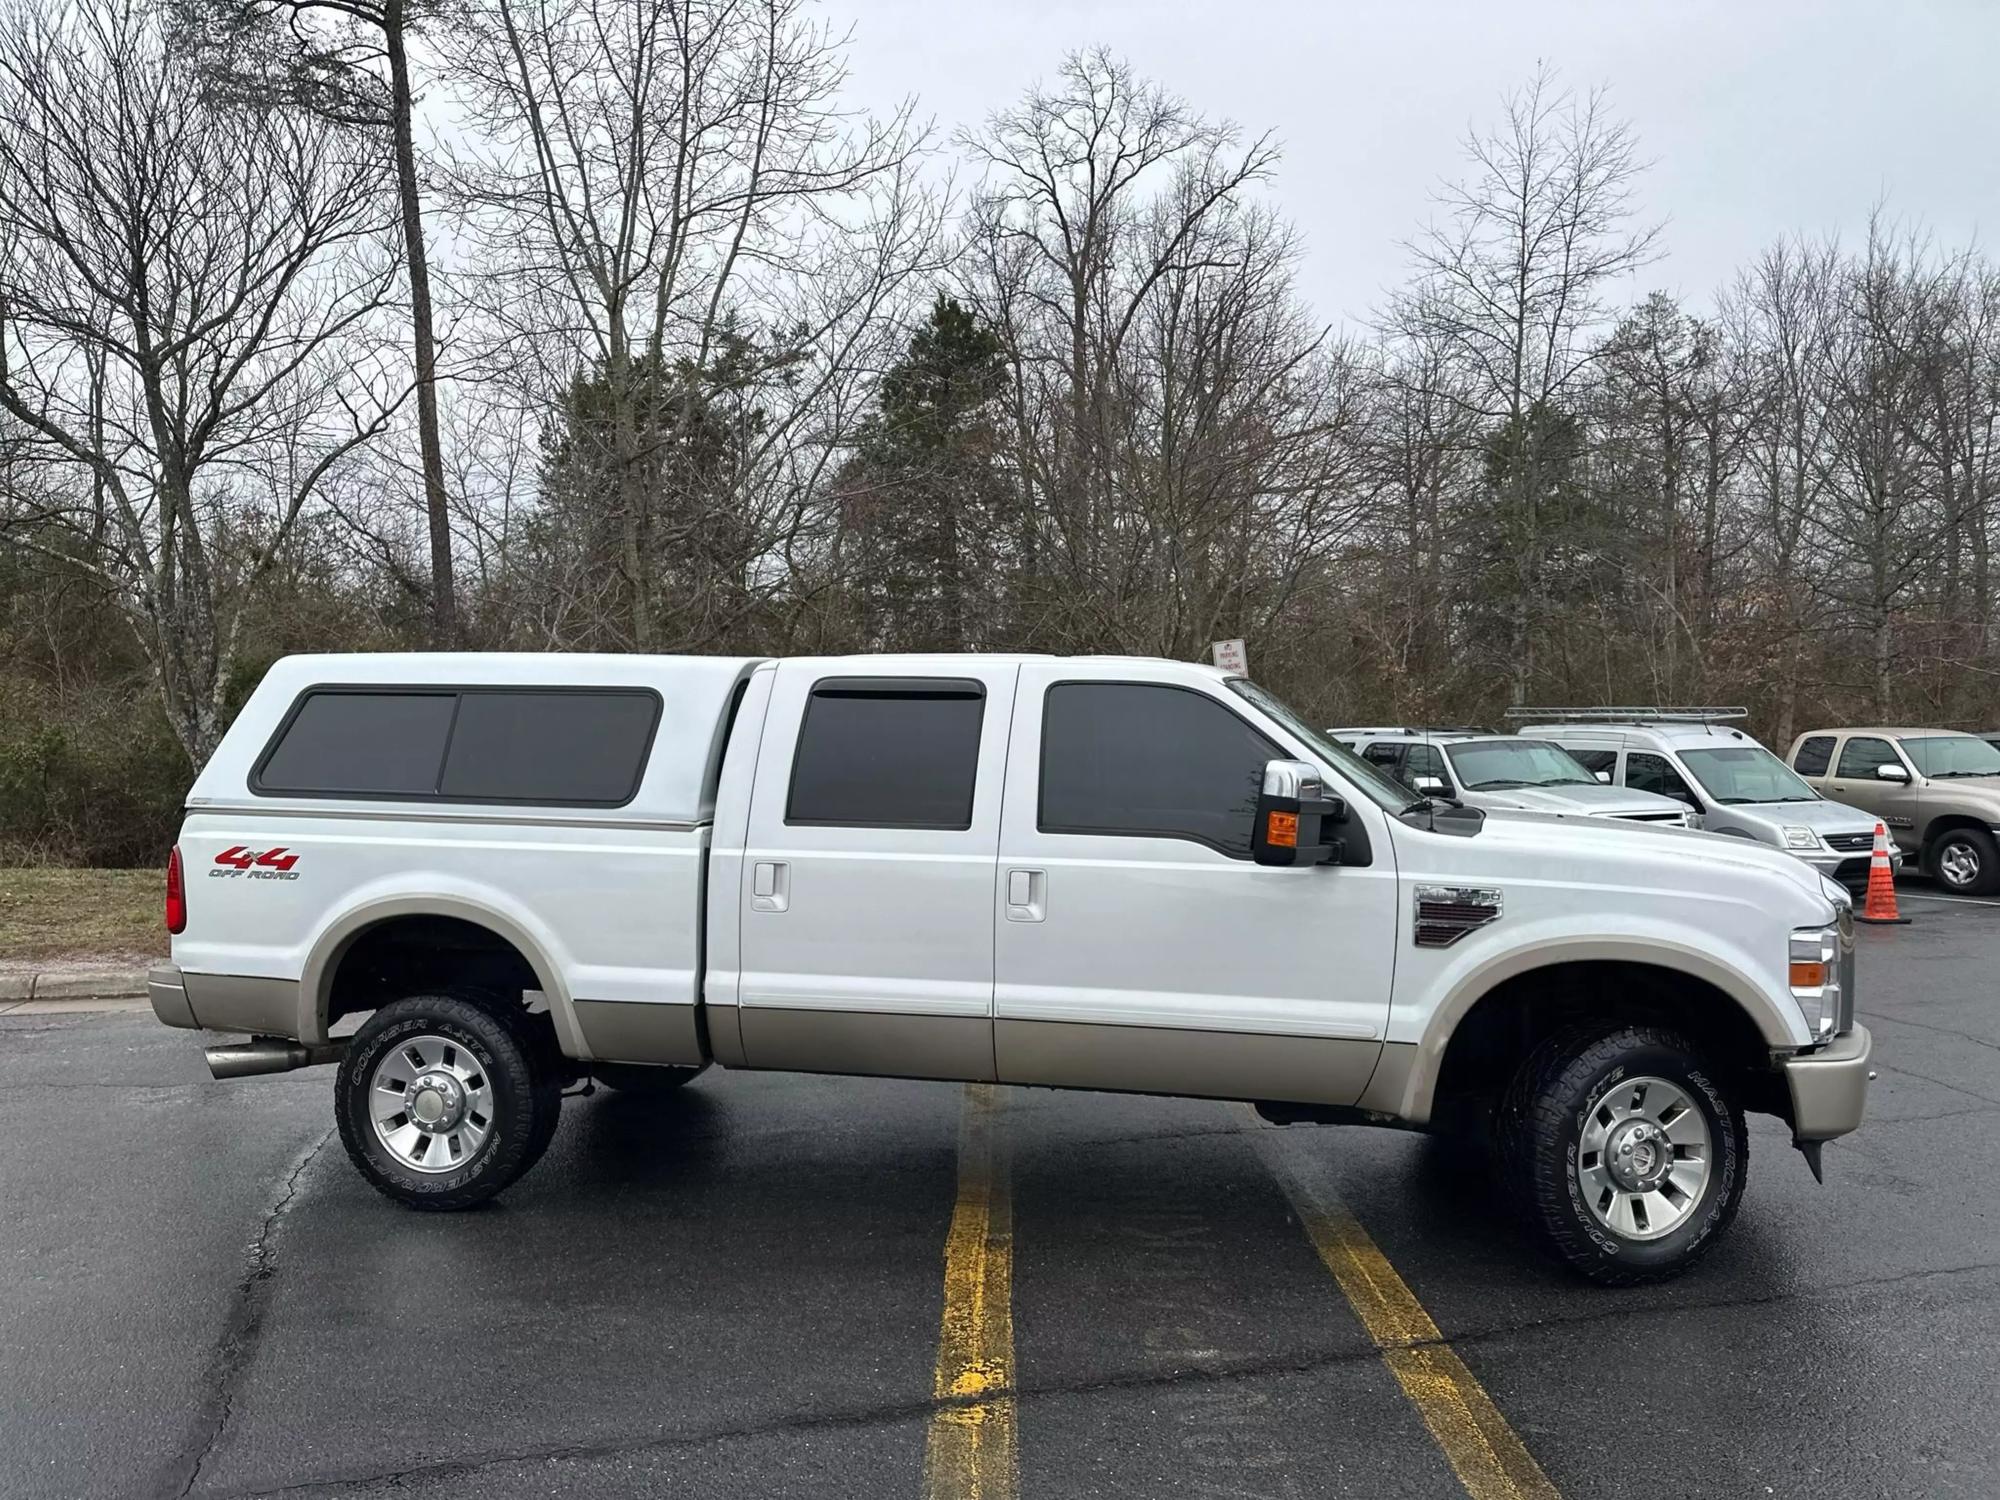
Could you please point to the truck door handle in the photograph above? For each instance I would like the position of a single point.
(1027, 895)
(770, 885)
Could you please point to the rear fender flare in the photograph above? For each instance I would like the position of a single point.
(316, 985)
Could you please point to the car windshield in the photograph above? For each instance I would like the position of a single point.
(1943, 756)
(1737, 774)
(1377, 785)
(1496, 765)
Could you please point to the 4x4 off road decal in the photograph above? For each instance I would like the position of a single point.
(258, 864)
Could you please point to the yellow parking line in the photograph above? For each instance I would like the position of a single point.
(970, 1453)
(1486, 1453)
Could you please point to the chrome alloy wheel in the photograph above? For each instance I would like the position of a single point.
(1644, 1157)
(1959, 864)
(432, 1104)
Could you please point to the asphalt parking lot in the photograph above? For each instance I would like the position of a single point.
(761, 1287)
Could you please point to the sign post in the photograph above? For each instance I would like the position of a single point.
(1231, 657)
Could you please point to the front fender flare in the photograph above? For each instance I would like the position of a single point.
(1419, 1085)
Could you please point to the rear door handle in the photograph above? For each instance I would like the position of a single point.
(770, 885)
(1027, 895)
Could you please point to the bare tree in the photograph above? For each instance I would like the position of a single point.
(688, 243)
(349, 62)
(1514, 282)
(188, 301)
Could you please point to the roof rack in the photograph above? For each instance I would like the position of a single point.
(1629, 715)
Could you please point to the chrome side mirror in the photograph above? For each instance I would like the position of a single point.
(1603, 778)
(1290, 811)
(1891, 771)
(1430, 786)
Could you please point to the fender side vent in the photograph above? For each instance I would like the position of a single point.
(1446, 913)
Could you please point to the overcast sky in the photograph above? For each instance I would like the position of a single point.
(1760, 116)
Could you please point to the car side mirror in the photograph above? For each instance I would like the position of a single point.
(1430, 786)
(1603, 778)
(1291, 810)
(1890, 771)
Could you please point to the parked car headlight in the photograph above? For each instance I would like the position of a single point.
(1800, 838)
(1816, 978)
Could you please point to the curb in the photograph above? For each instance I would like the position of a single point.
(121, 985)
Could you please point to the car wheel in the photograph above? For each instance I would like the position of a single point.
(442, 1102)
(1624, 1152)
(643, 1078)
(1966, 862)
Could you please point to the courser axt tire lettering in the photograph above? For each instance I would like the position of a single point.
(1582, 1086)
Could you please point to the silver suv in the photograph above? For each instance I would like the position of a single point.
(1729, 781)
(1485, 768)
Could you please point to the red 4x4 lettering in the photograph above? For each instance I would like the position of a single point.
(240, 858)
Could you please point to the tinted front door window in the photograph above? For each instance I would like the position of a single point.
(1161, 762)
(1860, 756)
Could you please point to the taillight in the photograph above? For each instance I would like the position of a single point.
(177, 907)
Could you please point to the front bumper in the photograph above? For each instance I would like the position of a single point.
(1830, 1086)
(1850, 870)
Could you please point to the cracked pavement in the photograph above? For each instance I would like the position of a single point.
(736, 1292)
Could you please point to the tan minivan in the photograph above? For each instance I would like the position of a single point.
(1937, 790)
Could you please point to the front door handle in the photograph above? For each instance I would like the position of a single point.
(770, 885)
(1027, 895)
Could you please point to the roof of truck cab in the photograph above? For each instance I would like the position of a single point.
(1917, 733)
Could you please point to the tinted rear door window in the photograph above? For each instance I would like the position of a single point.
(549, 747)
(901, 754)
(1163, 762)
(1814, 755)
(360, 744)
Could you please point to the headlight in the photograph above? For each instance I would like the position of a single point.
(1816, 978)
(1800, 838)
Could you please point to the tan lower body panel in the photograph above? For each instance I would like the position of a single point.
(639, 1031)
(881, 1044)
(1390, 1084)
(242, 1002)
(1199, 1064)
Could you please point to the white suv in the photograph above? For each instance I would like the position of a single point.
(1485, 769)
(1730, 782)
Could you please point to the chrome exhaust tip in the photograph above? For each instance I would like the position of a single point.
(269, 1054)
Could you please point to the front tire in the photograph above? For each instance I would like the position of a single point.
(442, 1102)
(1625, 1152)
(1966, 862)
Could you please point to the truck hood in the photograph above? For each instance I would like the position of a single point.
(1821, 816)
(1591, 798)
(1587, 850)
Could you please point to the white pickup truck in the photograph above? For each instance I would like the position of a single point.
(1085, 873)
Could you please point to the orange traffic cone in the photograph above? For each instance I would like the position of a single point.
(1880, 905)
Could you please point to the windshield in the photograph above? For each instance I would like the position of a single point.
(1376, 785)
(1496, 765)
(1947, 755)
(1737, 774)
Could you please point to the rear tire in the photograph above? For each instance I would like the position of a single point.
(443, 1102)
(1625, 1153)
(1966, 862)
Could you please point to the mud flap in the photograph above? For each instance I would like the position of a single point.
(1810, 1150)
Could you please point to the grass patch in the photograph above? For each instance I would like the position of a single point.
(56, 913)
